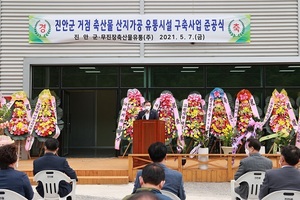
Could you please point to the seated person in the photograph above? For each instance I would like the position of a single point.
(152, 180)
(10, 178)
(254, 162)
(50, 161)
(174, 182)
(285, 178)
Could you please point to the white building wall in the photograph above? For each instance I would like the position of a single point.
(274, 34)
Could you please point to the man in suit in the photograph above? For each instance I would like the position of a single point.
(254, 162)
(285, 178)
(174, 181)
(152, 180)
(50, 161)
(147, 113)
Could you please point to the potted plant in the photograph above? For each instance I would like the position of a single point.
(227, 136)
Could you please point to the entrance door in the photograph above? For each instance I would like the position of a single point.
(92, 121)
(82, 112)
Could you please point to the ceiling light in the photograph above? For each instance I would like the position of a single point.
(237, 71)
(137, 67)
(287, 70)
(293, 66)
(138, 71)
(190, 67)
(87, 68)
(187, 71)
(242, 67)
(92, 72)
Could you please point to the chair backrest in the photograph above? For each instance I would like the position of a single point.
(170, 194)
(283, 195)
(254, 180)
(9, 195)
(50, 180)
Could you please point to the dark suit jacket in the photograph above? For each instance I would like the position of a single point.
(174, 182)
(255, 162)
(16, 181)
(153, 114)
(53, 162)
(285, 178)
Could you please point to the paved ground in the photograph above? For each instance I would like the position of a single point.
(194, 191)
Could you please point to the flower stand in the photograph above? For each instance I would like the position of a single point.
(203, 158)
(227, 150)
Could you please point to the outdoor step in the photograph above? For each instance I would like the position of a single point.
(97, 180)
(93, 172)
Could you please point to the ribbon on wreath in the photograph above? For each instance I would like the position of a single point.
(218, 93)
(241, 96)
(132, 94)
(281, 99)
(196, 101)
(297, 143)
(180, 139)
(245, 95)
(278, 98)
(44, 96)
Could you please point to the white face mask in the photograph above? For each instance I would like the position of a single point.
(147, 107)
(247, 151)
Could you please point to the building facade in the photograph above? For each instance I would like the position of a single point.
(91, 101)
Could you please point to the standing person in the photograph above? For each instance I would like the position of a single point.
(174, 182)
(10, 178)
(147, 113)
(50, 161)
(254, 162)
(152, 180)
(285, 178)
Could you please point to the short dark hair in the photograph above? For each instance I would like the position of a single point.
(153, 173)
(143, 195)
(253, 142)
(291, 154)
(146, 102)
(52, 144)
(157, 151)
(8, 155)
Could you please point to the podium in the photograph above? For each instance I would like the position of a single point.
(146, 132)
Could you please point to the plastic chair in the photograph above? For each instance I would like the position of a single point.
(50, 180)
(9, 195)
(254, 180)
(283, 195)
(170, 194)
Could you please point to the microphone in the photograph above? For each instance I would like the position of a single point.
(144, 116)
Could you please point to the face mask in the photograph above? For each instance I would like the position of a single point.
(147, 107)
(247, 152)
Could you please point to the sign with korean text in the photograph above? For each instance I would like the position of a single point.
(147, 28)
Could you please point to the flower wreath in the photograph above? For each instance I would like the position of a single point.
(281, 115)
(168, 112)
(218, 115)
(131, 107)
(44, 119)
(5, 113)
(17, 127)
(244, 113)
(192, 118)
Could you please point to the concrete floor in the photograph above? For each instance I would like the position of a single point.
(194, 191)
